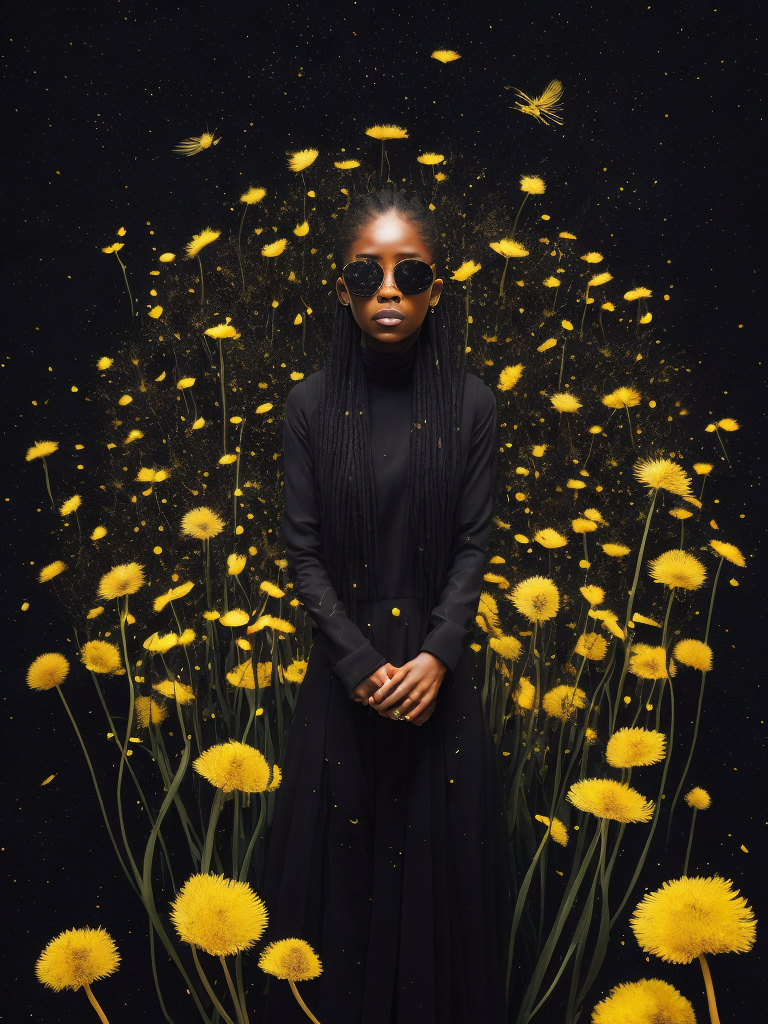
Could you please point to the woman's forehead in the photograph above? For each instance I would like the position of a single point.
(390, 235)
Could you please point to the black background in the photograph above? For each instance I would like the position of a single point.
(659, 146)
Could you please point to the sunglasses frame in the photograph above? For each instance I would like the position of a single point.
(367, 295)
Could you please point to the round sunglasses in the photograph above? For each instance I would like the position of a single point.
(365, 277)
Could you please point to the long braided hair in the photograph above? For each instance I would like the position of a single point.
(343, 466)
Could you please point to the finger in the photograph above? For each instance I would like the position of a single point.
(386, 689)
(394, 698)
(418, 709)
(423, 716)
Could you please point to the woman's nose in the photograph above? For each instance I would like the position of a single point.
(388, 286)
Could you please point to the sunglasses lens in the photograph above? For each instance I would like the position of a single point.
(363, 277)
(413, 276)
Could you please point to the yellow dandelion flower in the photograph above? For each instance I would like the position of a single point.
(122, 580)
(52, 569)
(149, 711)
(346, 165)
(637, 293)
(101, 657)
(508, 247)
(271, 622)
(522, 539)
(551, 282)
(115, 247)
(606, 798)
(728, 424)
(175, 691)
(290, 959)
(592, 646)
(563, 702)
(564, 402)
(702, 468)
(692, 501)
(234, 765)
(590, 735)
(264, 674)
(610, 621)
(264, 407)
(227, 460)
(430, 159)
(225, 330)
(71, 505)
(445, 56)
(549, 538)
(507, 647)
(94, 613)
(242, 676)
(680, 513)
(532, 185)
(201, 523)
(196, 144)
(728, 551)
(302, 159)
(678, 569)
(538, 450)
(466, 270)
(295, 672)
(277, 778)
(524, 694)
(47, 671)
(557, 830)
(273, 249)
(663, 474)
(160, 644)
(235, 617)
(211, 616)
(186, 638)
(133, 435)
(199, 242)
(598, 279)
(567, 234)
(253, 195)
(693, 653)
(635, 748)
(615, 550)
(488, 614)
(582, 525)
(219, 915)
(649, 1001)
(637, 617)
(592, 594)
(235, 564)
(271, 589)
(536, 598)
(104, 363)
(698, 798)
(592, 257)
(385, 132)
(648, 662)
(545, 346)
(172, 595)
(577, 485)
(594, 515)
(693, 916)
(76, 958)
(509, 376)
(622, 398)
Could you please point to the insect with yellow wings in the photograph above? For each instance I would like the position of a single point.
(190, 147)
(545, 108)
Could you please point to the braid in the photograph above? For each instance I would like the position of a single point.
(343, 465)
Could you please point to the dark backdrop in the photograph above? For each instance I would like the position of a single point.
(659, 147)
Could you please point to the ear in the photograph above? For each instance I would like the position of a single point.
(437, 288)
(341, 292)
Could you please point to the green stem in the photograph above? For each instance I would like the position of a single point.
(517, 218)
(239, 247)
(223, 396)
(48, 484)
(125, 278)
(218, 799)
(690, 842)
(640, 553)
(202, 283)
(233, 994)
(207, 986)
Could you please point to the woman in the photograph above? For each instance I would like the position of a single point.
(388, 850)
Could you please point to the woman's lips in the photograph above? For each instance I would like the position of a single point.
(388, 317)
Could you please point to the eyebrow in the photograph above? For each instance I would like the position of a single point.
(377, 256)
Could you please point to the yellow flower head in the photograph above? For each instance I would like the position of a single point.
(122, 580)
(430, 159)
(598, 279)
(151, 476)
(592, 594)
(201, 523)
(101, 657)
(649, 1001)
(582, 525)
(466, 270)
(728, 424)
(549, 538)
(235, 617)
(550, 282)
(557, 829)
(271, 589)
(70, 505)
(546, 345)
(635, 748)
(253, 195)
(538, 450)
(218, 915)
(47, 671)
(728, 551)
(564, 402)
(346, 165)
(703, 468)
(637, 293)
(678, 569)
(592, 257)
(224, 330)
(264, 675)
(606, 798)
(445, 56)
(609, 619)
(663, 474)
(615, 550)
(115, 247)
(691, 916)
(592, 646)
(524, 694)
(384, 132)
(77, 957)
(160, 644)
(235, 564)
(508, 247)
(175, 691)
(234, 765)
(271, 622)
(594, 515)
(536, 598)
(295, 672)
(532, 185)
(200, 241)
(302, 159)
(172, 595)
(563, 702)
(622, 398)
(242, 675)
(507, 647)
(648, 662)
(149, 710)
(273, 249)
(105, 362)
(693, 653)
(698, 798)
(509, 376)
(291, 959)
(680, 513)
(52, 569)
(488, 614)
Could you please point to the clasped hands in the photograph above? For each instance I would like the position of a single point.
(412, 688)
